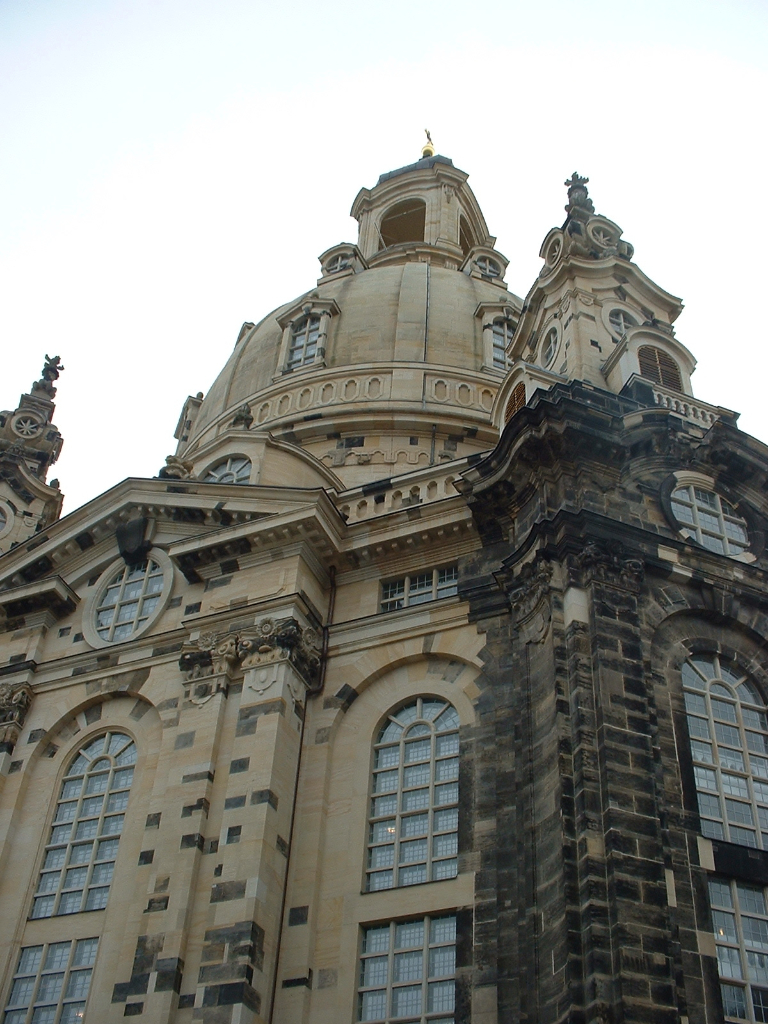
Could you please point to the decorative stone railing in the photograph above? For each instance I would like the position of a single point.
(684, 405)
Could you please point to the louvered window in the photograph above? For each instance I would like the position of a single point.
(516, 402)
(659, 367)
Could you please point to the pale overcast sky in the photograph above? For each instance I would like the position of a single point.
(172, 168)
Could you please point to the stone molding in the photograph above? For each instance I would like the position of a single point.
(606, 561)
(267, 642)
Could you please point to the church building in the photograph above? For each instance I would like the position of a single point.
(427, 681)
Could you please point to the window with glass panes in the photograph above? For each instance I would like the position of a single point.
(620, 322)
(304, 337)
(419, 588)
(128, 601)
(710, 520)
(501, 337)
(414, 815)
(51, 983)
(407, 972)
(80, 854)
(740, 923)
(728, 730)
(234, 470)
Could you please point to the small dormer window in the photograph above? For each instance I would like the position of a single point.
(710, 520)
(620, 322)
(304, 337)
(658, 366)
(501, 337)
(338, 263)
(488, 267)
(549, 348)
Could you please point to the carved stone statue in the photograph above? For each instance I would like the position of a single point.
(52, 368)
(50, 372)
(176, 469)
(243, 417)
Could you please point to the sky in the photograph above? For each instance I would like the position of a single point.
(172, 168)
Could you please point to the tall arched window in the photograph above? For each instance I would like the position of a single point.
(403, 222)
(82, 846)
(659, 367)
(413, 831)
(728, 730)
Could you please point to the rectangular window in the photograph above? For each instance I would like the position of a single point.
(407, 971)
(51, 983)
(418, 588)
(740, 924)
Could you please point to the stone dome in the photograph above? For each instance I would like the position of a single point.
(394, 344)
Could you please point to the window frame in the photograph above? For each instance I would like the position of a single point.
(744, 512)
(728, 743)
(243, 470)
(411, 587)
(697, 529)
(105, 826)
(16, 1012)
(392, 983)
(501, 328)
(550, 344)
(736, 975)
(426, 787)
(94, 601)
(304, 341)
(617, 333)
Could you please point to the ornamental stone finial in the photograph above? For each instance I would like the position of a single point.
(578, 196)
(52, 367)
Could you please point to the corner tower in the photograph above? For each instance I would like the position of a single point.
(593, 315)
(29, 445)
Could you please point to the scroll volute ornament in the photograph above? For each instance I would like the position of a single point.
(14, 704)
(264, 643)
(529, 597)
(609, 562)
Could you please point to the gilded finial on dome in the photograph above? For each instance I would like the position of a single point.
(429, 148)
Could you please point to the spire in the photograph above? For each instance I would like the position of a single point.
(29, 445)
(429, 148)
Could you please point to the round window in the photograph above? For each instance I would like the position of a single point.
(710, 520)
(127, 600)
(620, 322)
(549, 348)
(235, 470)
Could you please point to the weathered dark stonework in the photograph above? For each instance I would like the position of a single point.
(590, 895)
